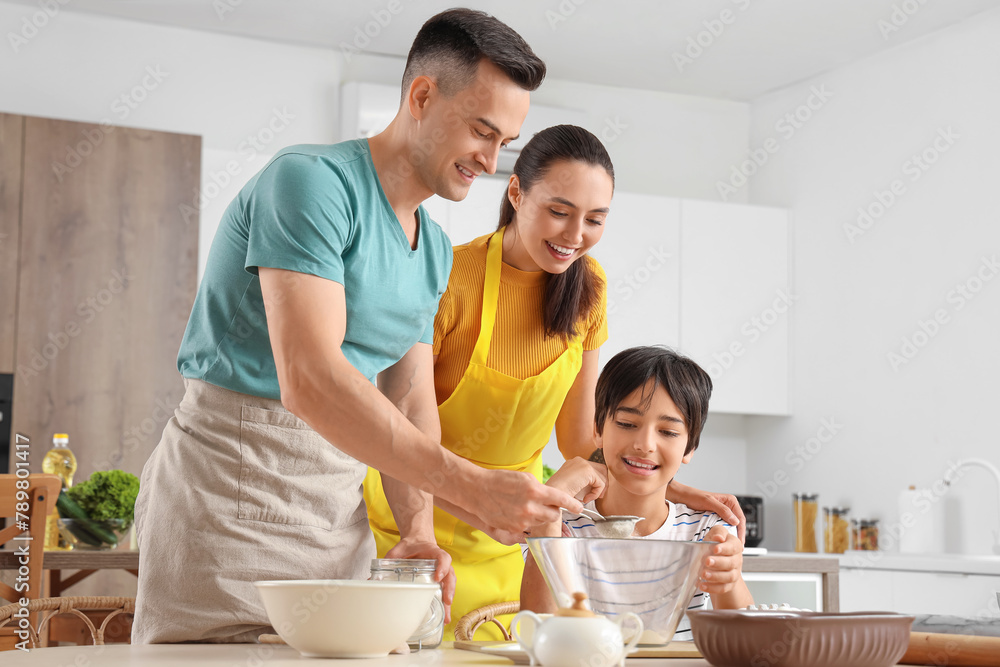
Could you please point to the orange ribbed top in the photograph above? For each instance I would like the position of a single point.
(519, 347)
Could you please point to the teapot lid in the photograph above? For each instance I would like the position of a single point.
(578, 609)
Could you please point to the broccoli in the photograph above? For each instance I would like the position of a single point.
(107, 495)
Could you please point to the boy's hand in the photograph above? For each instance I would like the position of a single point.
(723, 565)
(581, 479)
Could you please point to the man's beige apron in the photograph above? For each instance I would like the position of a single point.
(240, 490)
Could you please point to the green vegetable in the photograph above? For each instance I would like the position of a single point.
(83, 527)
(547, 472)
(107, 495)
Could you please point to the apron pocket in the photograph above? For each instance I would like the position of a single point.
(290, 475)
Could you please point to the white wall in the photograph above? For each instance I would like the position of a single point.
(857, 300)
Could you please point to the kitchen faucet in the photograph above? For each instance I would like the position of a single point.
(983, 463)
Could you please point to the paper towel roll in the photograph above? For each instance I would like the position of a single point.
(919, 522)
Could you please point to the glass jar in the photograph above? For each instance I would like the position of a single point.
(421, 570)
(855, 535)
(869, 534)
(836, 533)
(806, 512)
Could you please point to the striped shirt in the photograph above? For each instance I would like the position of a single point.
(682, 524)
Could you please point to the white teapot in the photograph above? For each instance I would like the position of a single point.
(575, 637)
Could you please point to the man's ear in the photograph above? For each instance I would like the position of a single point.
(421, 91)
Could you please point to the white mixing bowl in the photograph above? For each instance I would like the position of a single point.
(345, 619)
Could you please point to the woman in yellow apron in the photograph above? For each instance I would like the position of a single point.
(516, 340)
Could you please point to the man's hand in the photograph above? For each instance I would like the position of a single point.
(444, 573)
(511, 501)
(581, 479)
(723, 504)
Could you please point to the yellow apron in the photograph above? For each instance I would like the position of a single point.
(495, 421)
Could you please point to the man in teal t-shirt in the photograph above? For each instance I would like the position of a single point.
(317, 210)
(322, 281)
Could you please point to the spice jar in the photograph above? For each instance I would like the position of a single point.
(835, 530)
(855, 535)
(806, 511)
(869, 534)
(421, 570)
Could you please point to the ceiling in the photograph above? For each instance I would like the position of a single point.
(757, 46)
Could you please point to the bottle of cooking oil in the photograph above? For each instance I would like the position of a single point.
(59, 461)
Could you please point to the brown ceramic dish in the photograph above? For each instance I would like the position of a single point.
(729, 638)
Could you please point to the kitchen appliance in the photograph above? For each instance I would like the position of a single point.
(753, 509)
(6, 414)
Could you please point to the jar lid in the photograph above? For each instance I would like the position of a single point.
(404, 564)
(808, 497)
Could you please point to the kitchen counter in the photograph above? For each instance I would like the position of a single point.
(227, 655)
(954, 563)
(170, 655)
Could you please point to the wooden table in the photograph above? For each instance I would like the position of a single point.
(84, 562)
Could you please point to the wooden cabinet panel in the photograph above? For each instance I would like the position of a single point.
(107, 279)
(11, 135)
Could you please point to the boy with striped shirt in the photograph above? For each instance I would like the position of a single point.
(651, 406)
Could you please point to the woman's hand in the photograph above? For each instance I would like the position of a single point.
(581, 479)
(723, 504)
(444, 573)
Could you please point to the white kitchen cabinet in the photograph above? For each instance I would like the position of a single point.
(736, 302)
(947, 593)
(639, 253)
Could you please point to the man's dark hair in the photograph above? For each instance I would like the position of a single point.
(451, 44)
(688, 385)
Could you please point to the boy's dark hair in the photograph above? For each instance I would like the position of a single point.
(688, 385)
(570, 296)
(451, 44)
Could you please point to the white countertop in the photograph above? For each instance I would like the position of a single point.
(955, 563)
(886, 560)
(228, 655)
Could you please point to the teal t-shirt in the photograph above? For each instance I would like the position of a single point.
(318, 210)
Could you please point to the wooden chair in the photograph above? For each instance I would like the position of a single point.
(466, 627)
(112, 607)
(26, 509)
